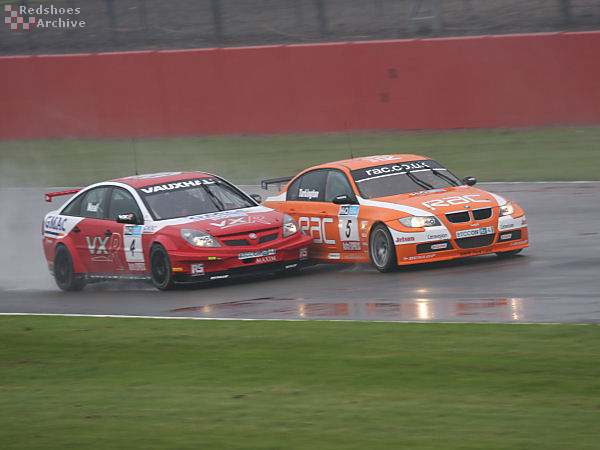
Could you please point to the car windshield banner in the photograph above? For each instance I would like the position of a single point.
(176, 185)
(398, 168)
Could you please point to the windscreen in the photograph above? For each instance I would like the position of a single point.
(402, 178)
(192, 197)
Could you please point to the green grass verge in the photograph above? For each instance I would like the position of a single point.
(134, 383)
(517, 155)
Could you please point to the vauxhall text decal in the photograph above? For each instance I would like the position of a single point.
(176, 185)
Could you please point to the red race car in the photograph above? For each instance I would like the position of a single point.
(169, 227)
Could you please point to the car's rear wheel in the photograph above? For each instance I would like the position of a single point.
(160, 268)
(509, 253)
(382, 250)
(64, 276)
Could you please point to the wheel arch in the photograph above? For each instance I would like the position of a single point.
(78, 265)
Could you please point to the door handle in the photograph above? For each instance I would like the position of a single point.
(108, 233)
(76, 230)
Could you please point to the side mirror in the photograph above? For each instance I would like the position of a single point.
(257, 198)
(128, 218)
(469, 181)
(344, 199)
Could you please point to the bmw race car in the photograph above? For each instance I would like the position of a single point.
(396, 210)
(169, 227)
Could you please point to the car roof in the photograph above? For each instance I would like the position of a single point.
(368, 161)
(150, 179)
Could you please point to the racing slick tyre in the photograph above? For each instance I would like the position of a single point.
(64, 276)
(160, 268)
(508, 254)
(382, 250)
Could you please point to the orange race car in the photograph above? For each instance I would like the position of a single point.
(398, 209)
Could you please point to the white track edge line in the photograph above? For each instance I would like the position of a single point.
(115, 316)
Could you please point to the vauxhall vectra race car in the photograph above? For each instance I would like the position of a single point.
(398, 209)
(180, 226)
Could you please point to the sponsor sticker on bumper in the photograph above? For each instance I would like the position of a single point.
(257, 254)
(476, 232)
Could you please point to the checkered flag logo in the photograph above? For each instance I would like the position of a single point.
(14, 20)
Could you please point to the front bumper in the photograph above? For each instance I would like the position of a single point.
(223, 261)
(500, 241)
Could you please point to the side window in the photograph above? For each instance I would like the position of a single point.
(122, 202)
(309, 187)
(73, 208)
(93, 203)
(337, 184)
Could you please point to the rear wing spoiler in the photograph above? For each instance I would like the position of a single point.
(265, 183)
(50, 195)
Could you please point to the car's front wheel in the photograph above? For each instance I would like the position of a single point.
(64, 276)
(160, 268)
(382, 250)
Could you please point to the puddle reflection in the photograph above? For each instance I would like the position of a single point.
(417, 309)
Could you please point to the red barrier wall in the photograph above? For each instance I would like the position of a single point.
(490, 81)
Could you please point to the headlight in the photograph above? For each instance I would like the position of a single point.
(507, 209)
(199, 238)
(419, 221)
(289, 226)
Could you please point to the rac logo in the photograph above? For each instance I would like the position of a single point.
(454, 200)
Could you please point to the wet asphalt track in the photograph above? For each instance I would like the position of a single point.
(557, 279)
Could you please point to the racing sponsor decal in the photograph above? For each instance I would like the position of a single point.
(134, 230)
(266, 259)
(218, 215)
(438, 236)
(257, 254)
(519, 243)
(404, 239)
(308, 193)
(453, 200)
(439, 246)
(317, 229)
(56, 226)
(507, 225)
(390, 169)
(149, 229)
(348, 223)
(303, 253)
(506, 236)
(349, 210)
(197, 269)
(351, 246)
(417, 257)
(56, 223)
(475, 232)
(333, 256)
(137, 266)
